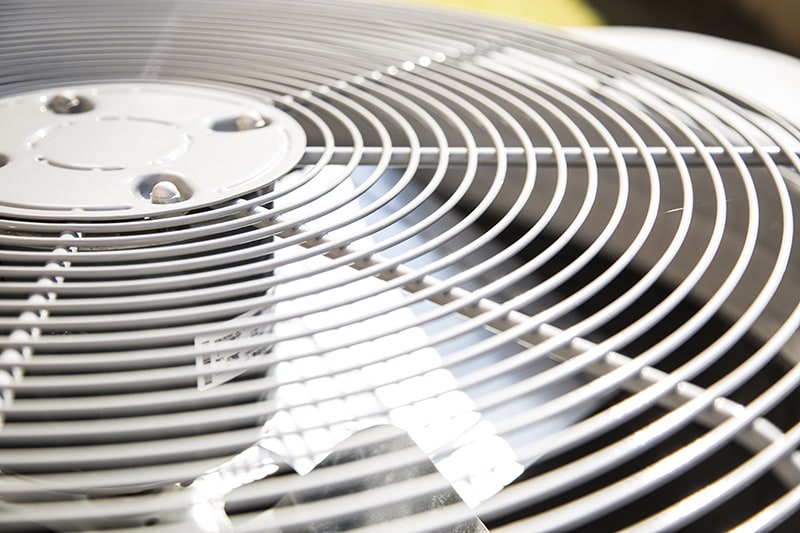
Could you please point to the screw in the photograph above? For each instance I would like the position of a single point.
(250, 122)
(69, 102)
(165, 192)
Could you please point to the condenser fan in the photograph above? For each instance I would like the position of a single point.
(339, 266)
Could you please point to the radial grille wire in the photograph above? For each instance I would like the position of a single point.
(615, 240)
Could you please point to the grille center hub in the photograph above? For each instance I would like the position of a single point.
(100, 152)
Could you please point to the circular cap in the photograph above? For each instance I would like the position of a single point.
(104, 158)
(114, 143)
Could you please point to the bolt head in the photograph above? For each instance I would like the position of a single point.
(250, 122)
(67, 102)
(165, 192)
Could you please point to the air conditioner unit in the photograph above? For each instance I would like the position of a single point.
(340, 266)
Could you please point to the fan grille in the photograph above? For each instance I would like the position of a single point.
(509, 243)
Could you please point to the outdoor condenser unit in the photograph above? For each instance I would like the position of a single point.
(355, 266)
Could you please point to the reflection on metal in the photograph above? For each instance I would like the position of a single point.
(398, 492)
(344, 385)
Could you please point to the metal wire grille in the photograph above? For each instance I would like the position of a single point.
(557, 244)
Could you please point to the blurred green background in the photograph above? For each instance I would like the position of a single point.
(559, 12)
(768, 23)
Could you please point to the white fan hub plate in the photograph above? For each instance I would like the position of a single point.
(125, 138)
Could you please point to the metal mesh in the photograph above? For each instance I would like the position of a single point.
(527, 244)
